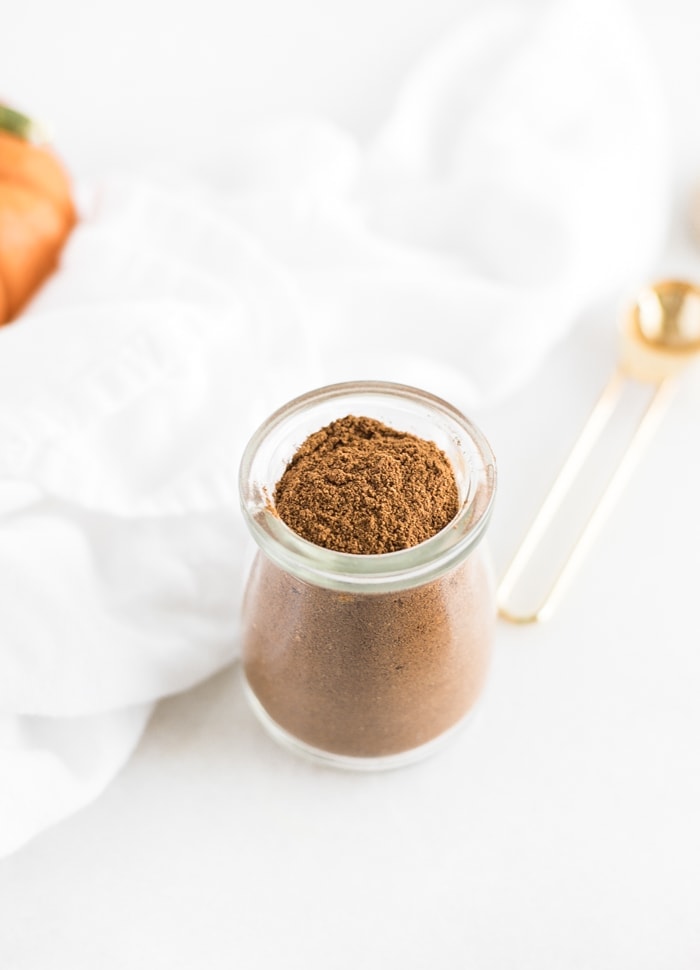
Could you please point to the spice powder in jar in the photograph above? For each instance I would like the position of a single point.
(369, 610)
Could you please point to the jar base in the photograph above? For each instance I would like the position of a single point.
(349, 762)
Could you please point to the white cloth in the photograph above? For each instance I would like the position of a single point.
(515, 184)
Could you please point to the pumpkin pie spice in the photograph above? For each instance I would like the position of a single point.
(362, 487)
(367, 674)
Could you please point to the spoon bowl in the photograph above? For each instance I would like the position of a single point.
(666, 315)
(661, 330)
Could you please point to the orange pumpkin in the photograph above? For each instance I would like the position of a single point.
(36, 212)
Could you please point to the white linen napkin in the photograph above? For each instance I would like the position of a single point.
(502, 197)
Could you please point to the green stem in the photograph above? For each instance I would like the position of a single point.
(20, 125)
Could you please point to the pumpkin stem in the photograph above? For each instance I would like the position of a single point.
(20, 125)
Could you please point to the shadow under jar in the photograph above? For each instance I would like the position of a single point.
(367, 661)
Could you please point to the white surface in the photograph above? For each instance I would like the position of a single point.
(561, 830)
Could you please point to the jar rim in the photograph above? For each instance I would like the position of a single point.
(382, 571)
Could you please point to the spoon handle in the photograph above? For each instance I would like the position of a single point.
(597, 421)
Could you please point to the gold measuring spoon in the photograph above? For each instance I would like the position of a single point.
(660, 336)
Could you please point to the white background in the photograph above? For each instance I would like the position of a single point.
(561, 831)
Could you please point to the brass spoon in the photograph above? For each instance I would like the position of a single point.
(660, 336)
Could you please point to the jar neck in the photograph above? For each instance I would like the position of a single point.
(387, 572)
(275, 442)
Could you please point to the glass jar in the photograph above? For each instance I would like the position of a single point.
(367, 661)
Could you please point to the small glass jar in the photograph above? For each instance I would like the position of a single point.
(367, 661)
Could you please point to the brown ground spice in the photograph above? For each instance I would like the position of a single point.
(360, 486)
(367, 674)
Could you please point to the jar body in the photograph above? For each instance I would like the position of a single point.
(366, 661)
(367, 675)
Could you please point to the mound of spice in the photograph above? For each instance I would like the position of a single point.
(367, 674)
(360, 486)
